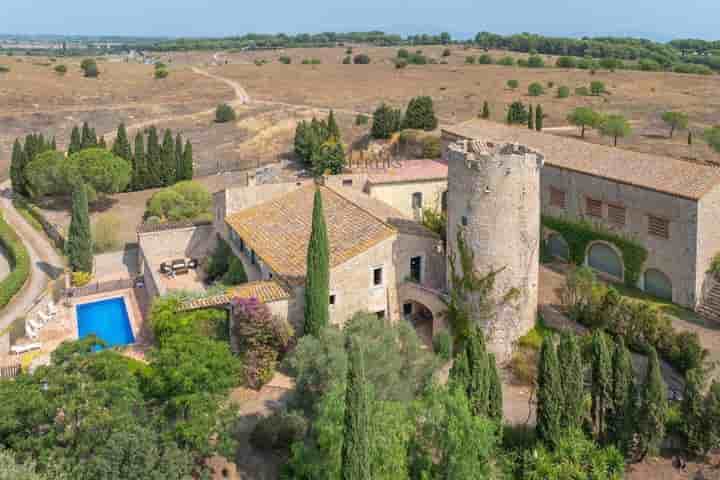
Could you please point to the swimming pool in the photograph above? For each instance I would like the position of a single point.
(107, 319)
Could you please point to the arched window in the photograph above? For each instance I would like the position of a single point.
(604, 259)
(416, 200)
(658, 284)
(558, 247)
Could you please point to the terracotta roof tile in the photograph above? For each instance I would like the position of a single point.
(279, 230)
(266, 292)
(654, 172)
(411, 171)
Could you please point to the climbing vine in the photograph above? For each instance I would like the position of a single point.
(579, 234)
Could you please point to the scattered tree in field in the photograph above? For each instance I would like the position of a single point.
(597, 88)
(225, 113)
(675, 120)
(584, 117)
(573, 382)
(535, 89)
(517, 114)
(485, 111)
(539, 118)
(485, 59)
(652, 414)
(712, 137)
(361, 59)
(90, 68)
(60, 69)
(535, 61)
(79, 246)
(531, 118)
(317, 290)
(420, 114)
(549, 396)
(328, 158)
(355, 463)
(563, 92)
(386, 121)
(615, 126)
(566, 62)
(513, 84)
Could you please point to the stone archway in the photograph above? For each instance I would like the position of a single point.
(424, 307)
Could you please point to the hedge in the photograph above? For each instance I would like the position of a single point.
(579, 234)
(19, 260)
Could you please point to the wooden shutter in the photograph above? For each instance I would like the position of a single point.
(593, 208)
(658, 227)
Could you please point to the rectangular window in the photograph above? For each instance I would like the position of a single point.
(416, 269)
(407, 309)
(617, 215)
(658, 227)
(347, 182)
(464, 221)
(593, 208)
(416, 200)
(377, 276)
(557, 198)
(332, 300)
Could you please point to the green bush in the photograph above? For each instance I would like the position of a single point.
(535, 89)
(692, 68)
(470, 59)
(446, 52)
(513, 84)
(485, 59)
(161, 73)
(19, 261)
(506, 61)
(362, 120)
(4, 69)
(61, 69)
(361, 59)
(186, 200)
(431, 147)
(285, 60)
(597, 88)
(316, 61)
(563, 92)
(535, 61)
(225, 113)
(442, 345)
(403, 53)
(90, 68)
(235, 274)
(566, 62)
(279, 431)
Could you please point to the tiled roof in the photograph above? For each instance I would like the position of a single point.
(266, 292)
(411, 171)
(654, 172)
(279, 230)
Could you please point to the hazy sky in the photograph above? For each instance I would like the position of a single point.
(661, 19)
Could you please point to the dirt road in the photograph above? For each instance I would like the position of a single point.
(45, 262)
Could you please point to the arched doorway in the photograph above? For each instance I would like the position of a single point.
(558, 247)
(658, 284)
(421, 318)
(605, 259)
(424, 308)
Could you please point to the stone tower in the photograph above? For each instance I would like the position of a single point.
(494, 200)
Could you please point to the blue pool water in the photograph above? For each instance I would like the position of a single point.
(107, 319)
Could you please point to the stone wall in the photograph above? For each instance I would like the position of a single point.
(399, 195)
(708, 239)
(433, 260)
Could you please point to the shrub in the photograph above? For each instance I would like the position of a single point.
(586, 64)
(446, 52)
(431, 147)
(105, 233)
(19, 261)
(517, 113)
(225, 113)
(361, 59)
(470, 59)
(235, 274)
(362, 120)
(649, 65)
(346, 61)
(597, 88)
(535, 89)
(285, 60)
(523, 364)
(513, 84)
(400, 63)
(485, 59)
(420, 114)
(506, 61)
(566, 62)
(186, 200)
(90, 68)
(161, 73)
(61, 69)
(582, 91)
(166, 321)
(563, 92)
(279, 431)
(80, 279)
(535, 61)
(442, 345)
(403, 53)
(4, 69)
(522, 62)
(692, 68)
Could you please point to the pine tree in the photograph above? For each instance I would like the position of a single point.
(121, 147)
(573, 382)
(17, 165)
(140, 172)
(622, 415)
(187, 162)
(355, 456)
(693, 413)
(531, 119)
(485, 110)
(153, 159)
(420, 114)
(539, 117)
(601, 383)
(179, 158)
(495, 393)
(78, 246)
(169, 163)
(75, 141)
(653, 412)
(549, 397)
(317, 291)
(332, 127)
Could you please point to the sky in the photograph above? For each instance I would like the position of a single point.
(656, 19)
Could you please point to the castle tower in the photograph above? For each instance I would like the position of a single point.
(494, 200)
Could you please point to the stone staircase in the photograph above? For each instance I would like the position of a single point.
(710, 308)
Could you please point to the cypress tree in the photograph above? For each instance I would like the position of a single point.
(693, 413)
(333, 129)
(460, 370)
(53, 144)
(355, 459)
(486, 110)
(621, 419)
(153, 159)
(572, 380)
(539, 116)
(31, 148)
(93, 138)
(17, 165)
(531, 119)
(549, 397)
(86, 140)
(495, 393)
(75, 141)
(509, 117)
(317, 291)
(187, 162)
(101, 142)
(653, 412)
(601, 383)
(169, 162)
(477, 389)
(690, 138)
(179, 158)
(121, 147)
(78, 246)
(140, 178)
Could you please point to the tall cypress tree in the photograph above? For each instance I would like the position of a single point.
(573, 378)
(477, 389)
(693, 412)
(86, 139)
(121, 147)
(78, 246)
(485, 110)
(495, 393)
(17, 165)
(153, 159)
(93, 138)
(179, 158)
(601, 383)
(539, 116)
(187, 162)
(332, 127)
(653, 412)
(317, 290)
(140, 179)
(549, 397)
(75, 141)
(531, 119)
(169, 162)
(53, 144)
(355, 459)
(31, 148)
(621, 421)
(101, 142)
